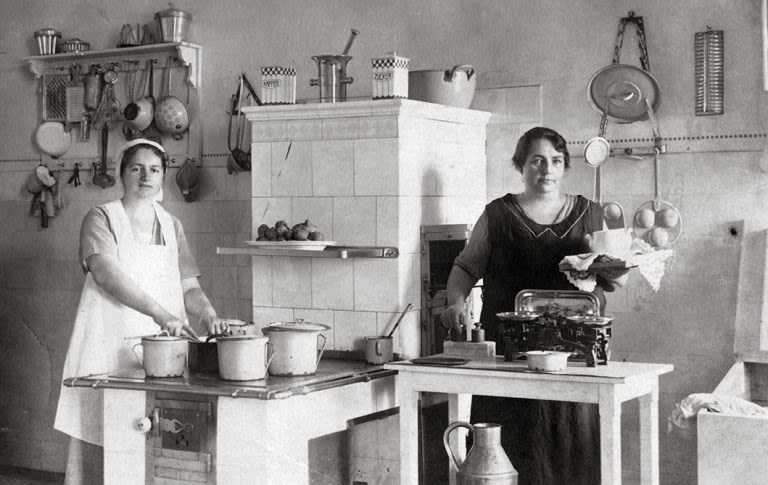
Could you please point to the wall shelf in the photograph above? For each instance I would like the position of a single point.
(338, 252)
(189, 54)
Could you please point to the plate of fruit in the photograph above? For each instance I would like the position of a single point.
(303, 235)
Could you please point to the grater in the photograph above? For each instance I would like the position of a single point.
(75, 94)
(55, 97)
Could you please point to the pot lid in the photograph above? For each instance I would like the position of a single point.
(596, 151)
(299, 325)
(162, 338)
(620, 91)
(53, 139)
(173, 12)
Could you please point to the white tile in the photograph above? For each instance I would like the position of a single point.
(292, 282)
(261, 169)
(292, 168)
(377, 285)
(354, 220)
(492, 100)
(376, 167)
(332, 284)
(340, 128)
(304, 129)
(319, 211)
(433, 210)
(261, 280)
(332, 167)
(378, 127)
(351, 327)
(388, 219)
(265, 315)
(267, 131)
(269, 210)
(524, 104)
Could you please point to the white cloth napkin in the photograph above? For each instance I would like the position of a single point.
(649, 261)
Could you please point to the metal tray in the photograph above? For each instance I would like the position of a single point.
(568, 302)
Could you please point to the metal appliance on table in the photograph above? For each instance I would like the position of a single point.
(440, 244)
(567, 320)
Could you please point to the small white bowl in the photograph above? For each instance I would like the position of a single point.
(547, 361)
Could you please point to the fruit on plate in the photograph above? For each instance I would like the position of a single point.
(658, 237)
(281, 231)
(667, 217)
(646, 218)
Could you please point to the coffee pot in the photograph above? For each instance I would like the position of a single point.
(486, 461)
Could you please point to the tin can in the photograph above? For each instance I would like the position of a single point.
(278, 85)
(390, 76)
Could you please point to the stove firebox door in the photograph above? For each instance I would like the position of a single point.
(182, 447)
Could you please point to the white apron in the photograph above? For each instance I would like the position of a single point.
(98, 342)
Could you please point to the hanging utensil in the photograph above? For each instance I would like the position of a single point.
(656, 221)
(92, 88)
(106, 112)
(239, 160)
(75, 97)
(397, 323)
(55, 97)
(171, 116)
(130, 130)
(100, 176)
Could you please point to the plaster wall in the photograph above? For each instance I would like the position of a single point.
(534, 60)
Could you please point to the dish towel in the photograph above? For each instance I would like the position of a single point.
(649, 261)
(684, 414)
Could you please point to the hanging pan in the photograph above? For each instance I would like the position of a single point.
(657, 222)
(620, 91)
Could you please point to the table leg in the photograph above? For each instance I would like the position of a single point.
(610, 436)
(459, 407)
(649, 437)
(409, 430)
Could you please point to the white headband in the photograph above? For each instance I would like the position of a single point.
(132, 143)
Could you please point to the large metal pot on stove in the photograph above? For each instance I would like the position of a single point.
(297, 345)
(451, 87)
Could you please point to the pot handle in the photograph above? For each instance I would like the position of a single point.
(135, 354)
(450, 74)
(451, 427)
(270, 354)
(322, 347)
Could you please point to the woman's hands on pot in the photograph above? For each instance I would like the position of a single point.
(177, 328)
(214, 325)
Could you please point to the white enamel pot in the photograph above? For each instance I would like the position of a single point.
(243, 357)
(298, 347)
(451, 87)
(162, 355)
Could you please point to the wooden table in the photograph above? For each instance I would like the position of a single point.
(608, 386)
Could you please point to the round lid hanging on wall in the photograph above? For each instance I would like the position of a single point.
(620, 90)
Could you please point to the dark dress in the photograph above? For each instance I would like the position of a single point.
(548, 442)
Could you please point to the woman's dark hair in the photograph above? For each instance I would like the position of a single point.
(539, 133)
(131, 152)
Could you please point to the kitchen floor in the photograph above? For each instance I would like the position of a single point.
(22, 476)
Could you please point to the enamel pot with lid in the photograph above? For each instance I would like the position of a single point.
(298, 347)
(162, 355)
(243, 357)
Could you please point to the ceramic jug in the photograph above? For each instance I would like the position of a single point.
(486, 461)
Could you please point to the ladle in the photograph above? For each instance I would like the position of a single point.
(407, 307)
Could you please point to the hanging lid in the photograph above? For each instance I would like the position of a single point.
(299, 325)
(620, 90)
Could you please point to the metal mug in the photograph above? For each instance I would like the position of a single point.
(378, 349)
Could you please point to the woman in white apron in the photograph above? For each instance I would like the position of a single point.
(132, 251)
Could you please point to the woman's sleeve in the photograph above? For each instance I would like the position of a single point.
(474, 257)
(187, 264)
(96, 236)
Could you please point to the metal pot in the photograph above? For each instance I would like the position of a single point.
(173, 24)
(378, 349)
(452, 87)
(296, 347)
(239, 327)
(243, 357)
(162, 355)
(204, 355)
(75, 45)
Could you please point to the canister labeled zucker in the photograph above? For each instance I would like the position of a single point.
(390, 76)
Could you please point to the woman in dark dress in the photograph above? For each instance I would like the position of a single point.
(517, 244)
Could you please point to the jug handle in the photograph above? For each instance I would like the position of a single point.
(270, 354)
(135, 354)
(451, 427)
(322, 348)
(451, 73)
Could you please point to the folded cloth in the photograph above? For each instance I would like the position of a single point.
(684, 414)
(649, 261)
